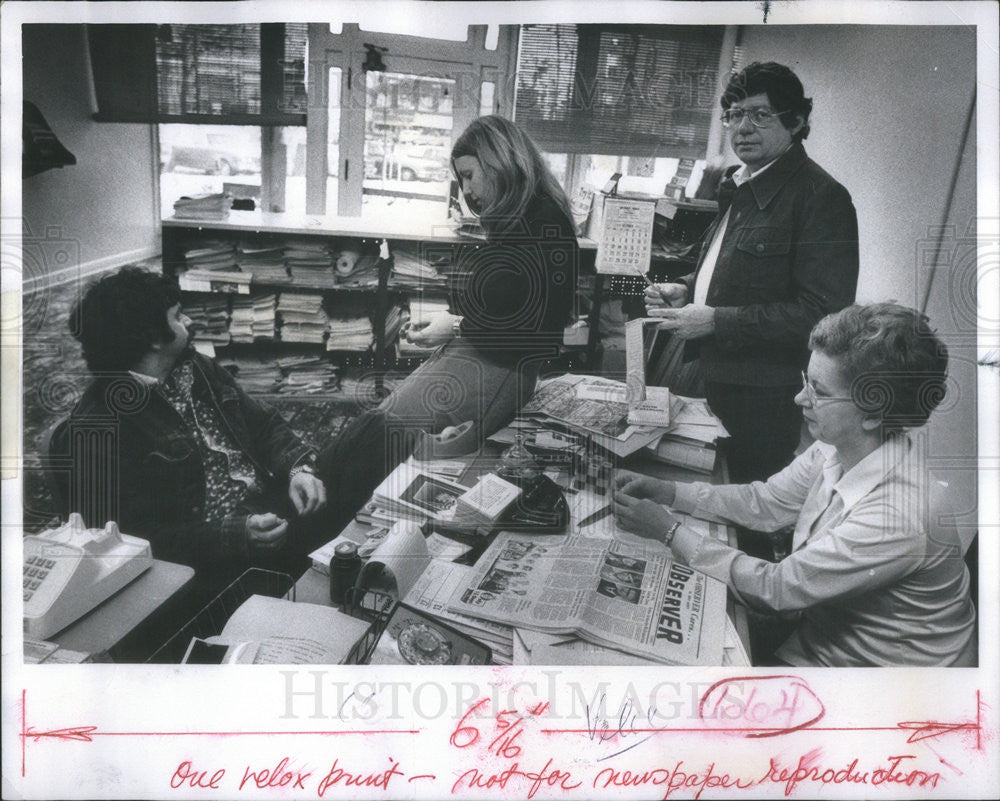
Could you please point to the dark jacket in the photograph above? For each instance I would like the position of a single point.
(789, 257)
(129, 457)
(516, 290)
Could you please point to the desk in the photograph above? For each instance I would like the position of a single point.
(124, 628)
(313, 587)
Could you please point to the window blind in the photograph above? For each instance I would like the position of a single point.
(633, 90)
(228, 74)
(208, 69)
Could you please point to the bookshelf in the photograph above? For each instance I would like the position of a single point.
(437, 244)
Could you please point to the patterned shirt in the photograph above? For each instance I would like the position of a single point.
(230, 475)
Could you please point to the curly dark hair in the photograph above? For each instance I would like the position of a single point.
(894, 361)
(121, 316)
(782, 87)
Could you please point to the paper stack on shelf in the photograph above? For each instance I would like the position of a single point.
(310, 262)
(256, 375)
(223, 281)
(350, 333)
(411, 270)
(307, 375)
(266, 263)
(253, 318)
(302, 317)
(394, 319)
(241, 321)
(203, 207)
(209, 319)
(211, 254)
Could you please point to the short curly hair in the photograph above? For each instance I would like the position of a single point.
(782, 87)
(121, 316)
(896, 364)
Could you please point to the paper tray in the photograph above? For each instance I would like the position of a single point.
(375, 607)
(210, 621)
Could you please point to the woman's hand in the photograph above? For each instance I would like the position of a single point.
(640, 486)
(430, 333)
(642, 516)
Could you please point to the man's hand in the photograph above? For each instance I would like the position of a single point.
(430, 333)
(307, 493)
(690, 322)
(665, 296)
(639, 486)
(266, 532)
(642, 516)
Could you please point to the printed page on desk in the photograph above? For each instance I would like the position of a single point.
(292, 633)
(905, 111)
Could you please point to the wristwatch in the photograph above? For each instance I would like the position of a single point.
(304, 467)
(669, 536)
(456, 327)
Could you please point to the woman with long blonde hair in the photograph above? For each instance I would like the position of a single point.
(511, 303)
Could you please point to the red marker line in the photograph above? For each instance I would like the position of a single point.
(246, 733)
(23, 728)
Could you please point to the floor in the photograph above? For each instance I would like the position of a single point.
(55, 375)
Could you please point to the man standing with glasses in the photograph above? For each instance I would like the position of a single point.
(781, 254)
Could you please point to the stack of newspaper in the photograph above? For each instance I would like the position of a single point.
(302, 317)
(307, 375)
(266, 263)
(410, 270)
(204, 207)
(253, 318)
(211, 255)
(209, 319)
(593, 407)
(350, 333)
(690, 440)
(257, 375)
(628, 597)
(310, 263)
(394, 319)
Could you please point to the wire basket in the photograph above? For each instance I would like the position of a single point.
(376, 608)
(210, 621)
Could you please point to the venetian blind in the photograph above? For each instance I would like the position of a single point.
(638, 90)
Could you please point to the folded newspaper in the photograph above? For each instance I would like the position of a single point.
(633, 598)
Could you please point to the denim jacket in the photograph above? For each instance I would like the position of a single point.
(789, 256)
(125, 454)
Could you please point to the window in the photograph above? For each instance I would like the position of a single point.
(596, 91)
(408, 124)
(212, 76)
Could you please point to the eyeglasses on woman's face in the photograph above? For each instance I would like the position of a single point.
(814, 397)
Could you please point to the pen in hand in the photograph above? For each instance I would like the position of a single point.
(653, 286)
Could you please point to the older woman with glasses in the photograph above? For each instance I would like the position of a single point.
(874, 577)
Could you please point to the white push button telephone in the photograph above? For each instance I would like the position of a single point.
(71, 569)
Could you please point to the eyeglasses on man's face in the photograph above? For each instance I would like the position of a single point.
(759, 116)
(814, 398)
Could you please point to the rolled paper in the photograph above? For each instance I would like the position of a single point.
(346, 261)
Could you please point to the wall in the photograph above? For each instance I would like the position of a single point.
(100, 211)
(890, 104)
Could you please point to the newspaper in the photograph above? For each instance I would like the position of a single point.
(624, 596)
(582, 402)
